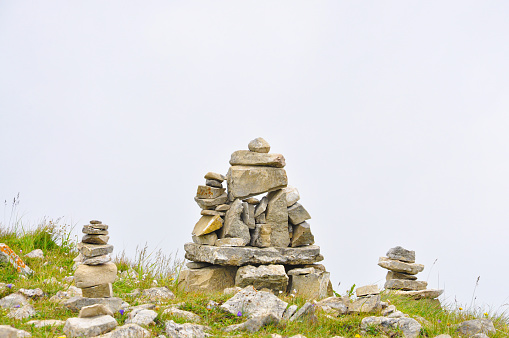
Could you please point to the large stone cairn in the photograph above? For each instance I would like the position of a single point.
(401, 277)
(96, 272)
(264, 241)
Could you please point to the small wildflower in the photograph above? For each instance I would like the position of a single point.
(239, 314)
(486, 314)
(17, 305)
(357, 335)
(460, 308)
(121, 312)
(9, 285)
(280, 292)
(439, 321)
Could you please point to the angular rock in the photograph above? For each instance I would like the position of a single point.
(338, 304)
(197, 265)
(255, 234)
(429, 293)
(292, 195)
(75, 304)
(410, 327)
(208, 239)
(95, 239)
(186, 330)
(233, 226)
(301, 271)
(62, 295)
(261, 219)
(172, 311)
(249, 158)
(13, 300)
(475, 326)
(128, 331)
(405, 284)
(206, 192)
(96, 222)
(92, 250)
(26, 311)
(7, 331)
(98, 291)
(311, 286)
(399, 275)
(214, 183)
(207, 203)
(209, 279)
(365, 304)
(42, 323)
(306, 312)
(277, 217)
(7, 255)
(261, 207)
(297, 214)
(272, 277)
(401, 254)
(367, 290)
(95, 310)
(214, 176)
(207, 224)
(208, 212)
(252, 303)
(253, 324)
(32, 293)
(97, 260)
(95, 230)
(398, 266)
(248, 215)
(92, 275)
(244, 181)
(234, 242)
(89, 327)
(289, 312)
(142, 317)
(37, 253)
(252, 200)
(301, 235)
(232, 290)
(223, 207)
(259, 145)
(157, 294)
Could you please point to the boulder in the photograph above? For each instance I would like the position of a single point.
(398, 266)
(475, 326)
(208, 239)
(410, 327)
(249, 158)
(92, 275)
(204, 191)
(297, 214)
(76, 303)
(310, 286)
(336, 304)
(209, 279)
(89, 327)
(141, 317)
(244, 181)
(365, 304)
(306, 312)
(207, 224)
(399, 275)
(26, 311)
(272, 277)
(301, 235)
(238, 256)
(401, 254)
(208, 203)
(277, 217)
(98, 291)
(186, 330)
(13, 300)
(251, 303)
(259, 145)
(405, 284)
(233, 225)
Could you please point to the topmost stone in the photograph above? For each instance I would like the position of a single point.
(95, 222)
(214, 176)
(259, 145)
(401, 254)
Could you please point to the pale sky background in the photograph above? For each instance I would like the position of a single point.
(393, 117)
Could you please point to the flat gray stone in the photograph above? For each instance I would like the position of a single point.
(75, 304)
(306, 312)
(365, 304)
(428, 293)
(128, 331)
(247, 181)
(337, 304)
(367, 290)
(204, 191)
(250, 255)
(251, 303)
(42, 323)
(93, 250)
(187, 315)
(208, 239)
(96, 222)
(272, 277)
(86, 276)
(95, 310)
(398, 266)
(476, 326)
(401, 254)
(233, 226)
(253, 324)
(32, 293)
(37, 253)
(98, 291)
(13, 300)
(259, 145)
(89, 327)
(223, 207)
(277, 217)
(214, 183)
(142, 317)
(157, 294)
(197, 265)
(289, 312)
(26, 311)
(208, 279)
(297, 214)
(405, 284)
(186, 330)
(208, 212)
(261, 207)
(399, 275)
(208, 203)
(95, 230)
(214, 176)
(301, 235)
(97, 260)
(95, 239)
(7, 331)
(310, 286)
(249, 158)
(231, 242)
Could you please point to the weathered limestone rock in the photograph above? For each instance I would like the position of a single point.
(63, 295)
(259, 145)
(297, 214)
(249, 158)
(401, 254)
(7, 255)
(214, 176)
(289, 312)
(398, 266)
(214, 183)
(233, 226)
(409, 326)
(252, 303)
(292, 195)
(252, 200)
(196, 265)
(405, 284)
(173, 311)
(261, 219)
(95, 229)
(95, 310)
(42, 323)
(186, 330)
(98, 291)
(277, 217)
(13, 300)
(365, 304)
(89, 327)
(231, 242)
(206, 192)
(157, 294)
(301, 235)
(208, 239)
(337, 304)
(262, 235)
(97, 260)
(207, 224)
(253, 324)
(475, 326)
(32, 293)
(7, 331)
(367, 290)
(92, 250)
(209, 279)
(208, 212)
(272, 277)
(207, 203)
(92, 275)
(23, 312)
(142, 317)
(399, 275)
(37, 253)
(261, 207)
(95, 239)
(128, 331)
(223, 207)
(248, 215)
(250, 255)
(244, 181)
(311, 286)
(75, 304)
(306, 312)
(429, 293)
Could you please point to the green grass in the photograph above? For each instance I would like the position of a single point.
(149, 269)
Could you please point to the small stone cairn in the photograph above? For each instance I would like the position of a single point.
(263, 241)
(401, 277)
(96, 272)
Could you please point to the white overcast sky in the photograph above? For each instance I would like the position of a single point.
(393, 117)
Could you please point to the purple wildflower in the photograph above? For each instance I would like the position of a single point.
(17, 305)
(121, 312)
(9, 285)
(439, 321)
(239, 314)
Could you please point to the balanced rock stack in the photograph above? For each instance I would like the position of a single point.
(401, 276)
(96, 272)
(262, 241)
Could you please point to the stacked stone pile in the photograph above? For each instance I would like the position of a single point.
(401, 275)
(254, 231)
